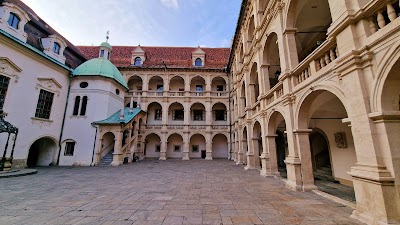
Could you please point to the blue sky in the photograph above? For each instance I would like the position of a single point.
(209, 23)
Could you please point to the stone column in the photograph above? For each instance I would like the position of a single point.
(292, 161)
(98, 152)
(186, 147)
(250, 147)
(117, 156)
(269, 160)
(264, 74)
(289, 36)
(239, 160)
(163, 150)
(303, 145)
(209, 147)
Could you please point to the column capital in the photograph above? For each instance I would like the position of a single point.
(302, 131)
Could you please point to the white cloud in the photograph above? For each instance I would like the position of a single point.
(170, 3)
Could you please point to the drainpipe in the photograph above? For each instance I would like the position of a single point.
(230, 112)
(94, 146)
(63, 121)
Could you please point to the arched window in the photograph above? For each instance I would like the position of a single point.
(84, 105)
(14, 20)
(76, 106)
(56, 48)
(198, 62)
(138, 61)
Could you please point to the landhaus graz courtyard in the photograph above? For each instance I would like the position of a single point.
(308, 92)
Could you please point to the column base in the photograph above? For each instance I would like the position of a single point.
(163, 158)
(376, 195)
(293, 167)
(269, 174)
(185, 158)
(248, 167)
(208, 158)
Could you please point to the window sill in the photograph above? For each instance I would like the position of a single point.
(42, 120)
(78, 117)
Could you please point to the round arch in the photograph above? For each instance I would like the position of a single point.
(390, 59)
(152, 147)
(329, 87)
(42, 152)
(220, 148)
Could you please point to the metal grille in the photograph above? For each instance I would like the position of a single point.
(43, 107)
(3, 89)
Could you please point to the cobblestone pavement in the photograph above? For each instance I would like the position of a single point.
(154, 192)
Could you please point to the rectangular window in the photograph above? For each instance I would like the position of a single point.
(102, 53)
(69, 148)
(198, 115)
(220, 115)
(4, 81)
(44, 104)
(199, 88)
(195, 148)
(178, 115)
(158, 148)
(220, 87)
(158, 114)
(177, 148)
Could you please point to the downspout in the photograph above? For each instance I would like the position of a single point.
(230, 112)
(94, 146)
(63, 121)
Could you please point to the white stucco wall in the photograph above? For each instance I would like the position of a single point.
(199, 140)
(152, 140)
(102, 103)
(220, 147)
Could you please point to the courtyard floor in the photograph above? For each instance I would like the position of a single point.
(161, 192)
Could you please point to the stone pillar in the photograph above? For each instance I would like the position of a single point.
(256, 153)
(264, 74)
(251, 95)
(303, 145)
(250, 153)
(239, 160)
(186, 147)
(163, 150)
(209, 146)
(292, 161)
(269, 158)
(98, 152)
(289, 36)
(164, 113)
(117, 156)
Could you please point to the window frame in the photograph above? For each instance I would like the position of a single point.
(158, 148)
(137, 61)
(195, 146)
(56, 48)
(44, 106)
(84, 106)
(198, 62)
(11, 20)
(177, 148)
(75, 111)
(198, 115)
(175, 116)
(68, 151)
(158, 114)
(4, 85)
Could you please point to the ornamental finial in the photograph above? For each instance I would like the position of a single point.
(107, 36)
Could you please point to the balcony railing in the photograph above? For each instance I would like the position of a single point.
(156, 127)
(176, 93)
(155, 93)
(197, 94)
(377, 21)
(318, 59)
(198, 127)
(219, 93)
(275, 93)
(192, 127)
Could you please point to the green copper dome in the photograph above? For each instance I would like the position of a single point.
(100, 67)
(106, 45)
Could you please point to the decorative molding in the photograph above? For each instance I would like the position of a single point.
(49, 84)
(7, 67)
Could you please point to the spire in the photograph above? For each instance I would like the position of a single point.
(107, 36)
(105, 48)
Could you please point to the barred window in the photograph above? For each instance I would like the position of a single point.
(69, 149)
(195, 148)
(4, 81)
(44, 104)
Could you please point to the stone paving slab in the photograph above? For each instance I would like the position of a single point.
(161, 192)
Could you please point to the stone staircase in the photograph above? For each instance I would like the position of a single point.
(324, 173)
(107, 159)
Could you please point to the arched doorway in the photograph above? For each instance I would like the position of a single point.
(320, 156)
(42, 152)
(152, 146)
(277, 144)
(244, 146)
(197, 147)
(220, 147)
(105, 156)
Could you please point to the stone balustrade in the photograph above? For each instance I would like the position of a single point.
(275, 93)
(383, 16)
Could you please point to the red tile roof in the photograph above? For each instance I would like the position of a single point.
(156, 57)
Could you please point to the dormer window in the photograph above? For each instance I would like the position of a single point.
(138, 61)
(56, 48)
(198, 62)
(13, 21)
(101, 53)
